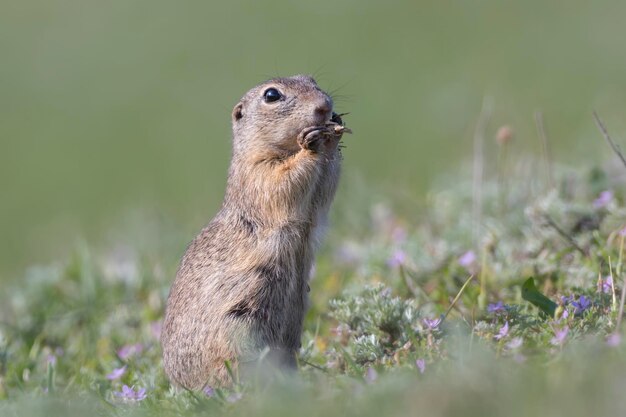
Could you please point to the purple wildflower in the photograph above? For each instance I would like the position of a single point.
(431, 324)
(607, 284)
(603, 199)
(116, 373)
(130, 394)
(467, 259)
(496, 308)
(503, 332)
(581, 305)
(397, 259)
(371, 375)
(127, 351)
(566, 300)
(421, 365)
(622, 232)
(613, 340)
(51, 360)
(515, 343)
(559, 336)
(208, 391)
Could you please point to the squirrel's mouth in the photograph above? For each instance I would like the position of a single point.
(336, 123)
(336, 118)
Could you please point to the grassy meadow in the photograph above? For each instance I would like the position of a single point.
(475, 164)
(409, 315)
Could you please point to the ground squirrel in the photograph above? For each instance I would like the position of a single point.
(242, 284)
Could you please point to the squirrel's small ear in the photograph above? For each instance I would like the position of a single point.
(238, 111)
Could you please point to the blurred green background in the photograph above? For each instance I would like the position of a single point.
(117, 107)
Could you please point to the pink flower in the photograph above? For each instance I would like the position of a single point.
(496, 308)
(397, 259)
(421, 365)
(431, 324)
(116, 373)
(127, 351)
(503, 332)
(129, 394)
(559, 336)
(607, 284)
(467, 259)
(603, 199)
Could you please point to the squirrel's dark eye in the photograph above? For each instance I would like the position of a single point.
(271, 95)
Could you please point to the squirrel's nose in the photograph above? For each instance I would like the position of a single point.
(324, 109)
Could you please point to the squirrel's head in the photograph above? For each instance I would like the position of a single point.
(270, 116)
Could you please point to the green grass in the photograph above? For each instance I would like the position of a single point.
(381, 284)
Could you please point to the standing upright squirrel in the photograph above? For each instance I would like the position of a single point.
(242, 286)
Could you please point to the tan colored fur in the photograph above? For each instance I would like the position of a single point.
(242, 284)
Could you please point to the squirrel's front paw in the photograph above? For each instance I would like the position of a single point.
(313, 138)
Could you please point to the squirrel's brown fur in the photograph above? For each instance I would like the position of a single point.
(242, 284)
